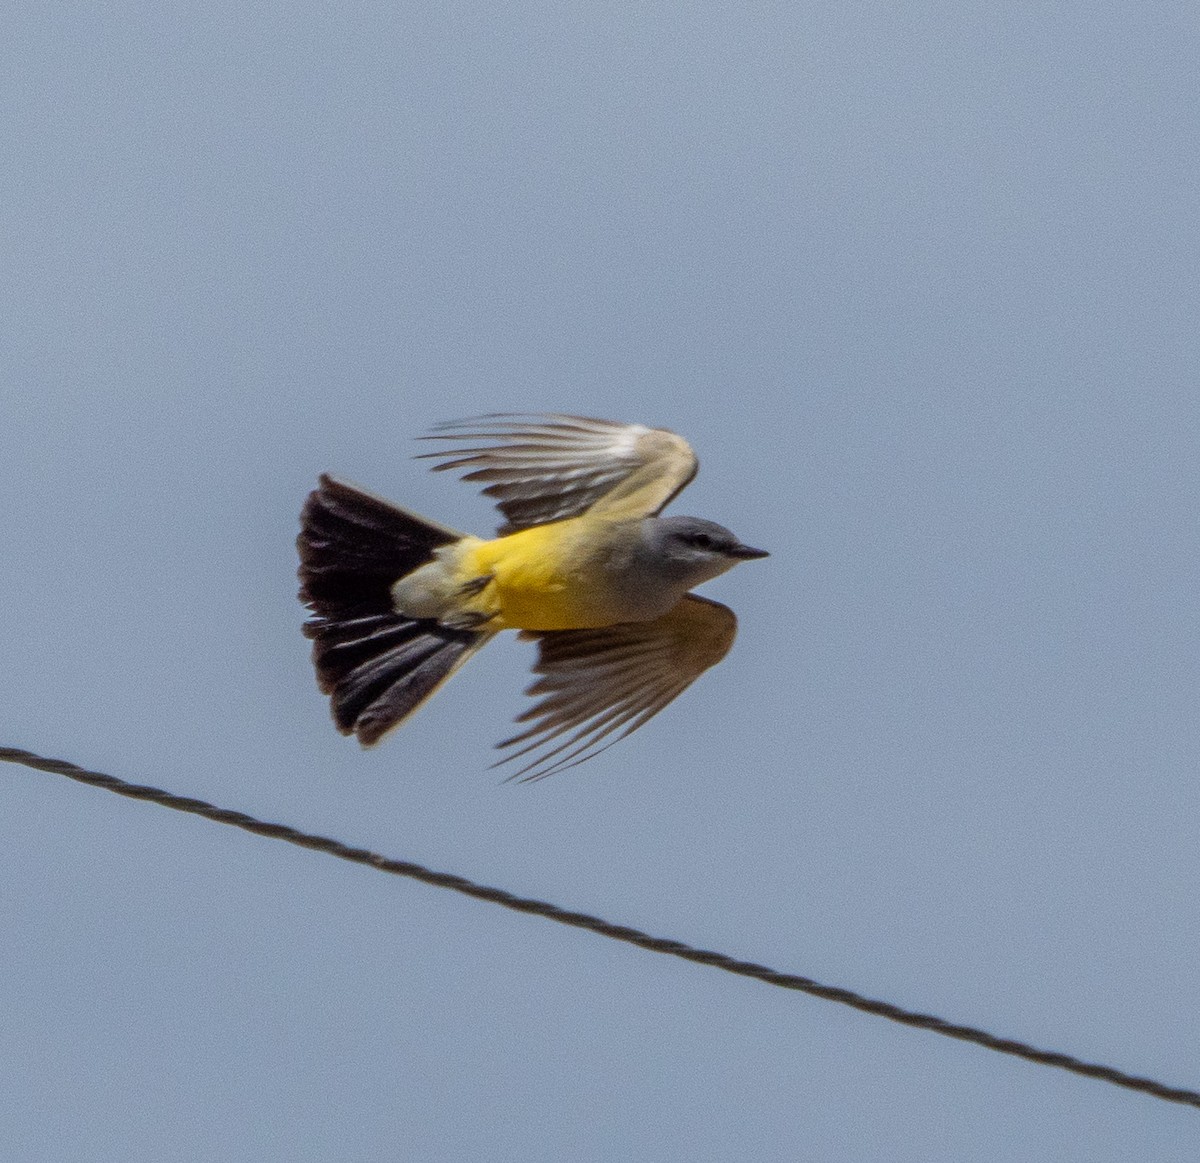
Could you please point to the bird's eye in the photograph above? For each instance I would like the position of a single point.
(702, 541)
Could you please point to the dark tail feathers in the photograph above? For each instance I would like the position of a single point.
(377, 665)
(354, 546)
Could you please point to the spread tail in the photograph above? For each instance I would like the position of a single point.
(376, 665)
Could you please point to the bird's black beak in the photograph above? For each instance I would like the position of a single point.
(746, 552)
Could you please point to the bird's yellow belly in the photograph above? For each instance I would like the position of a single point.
(540, 580)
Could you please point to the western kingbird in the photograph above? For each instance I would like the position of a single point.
(583, 565)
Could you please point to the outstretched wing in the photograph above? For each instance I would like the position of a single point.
(614, 679)
(548, 468)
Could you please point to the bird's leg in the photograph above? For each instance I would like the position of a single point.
(470, 619)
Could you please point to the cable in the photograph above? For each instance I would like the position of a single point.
(604, 928)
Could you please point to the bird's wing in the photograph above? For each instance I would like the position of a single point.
(548, 468)
(597, 682)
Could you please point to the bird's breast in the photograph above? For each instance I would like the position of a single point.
(568, 575)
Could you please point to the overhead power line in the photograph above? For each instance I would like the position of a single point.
(605, 928)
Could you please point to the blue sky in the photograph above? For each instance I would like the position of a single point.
(919, 284)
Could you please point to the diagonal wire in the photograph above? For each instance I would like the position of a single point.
(605, 928)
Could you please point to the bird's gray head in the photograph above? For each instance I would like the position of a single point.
(692, 550)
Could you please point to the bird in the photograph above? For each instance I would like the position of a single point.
(583, 564)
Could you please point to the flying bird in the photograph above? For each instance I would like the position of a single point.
(583, 565)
